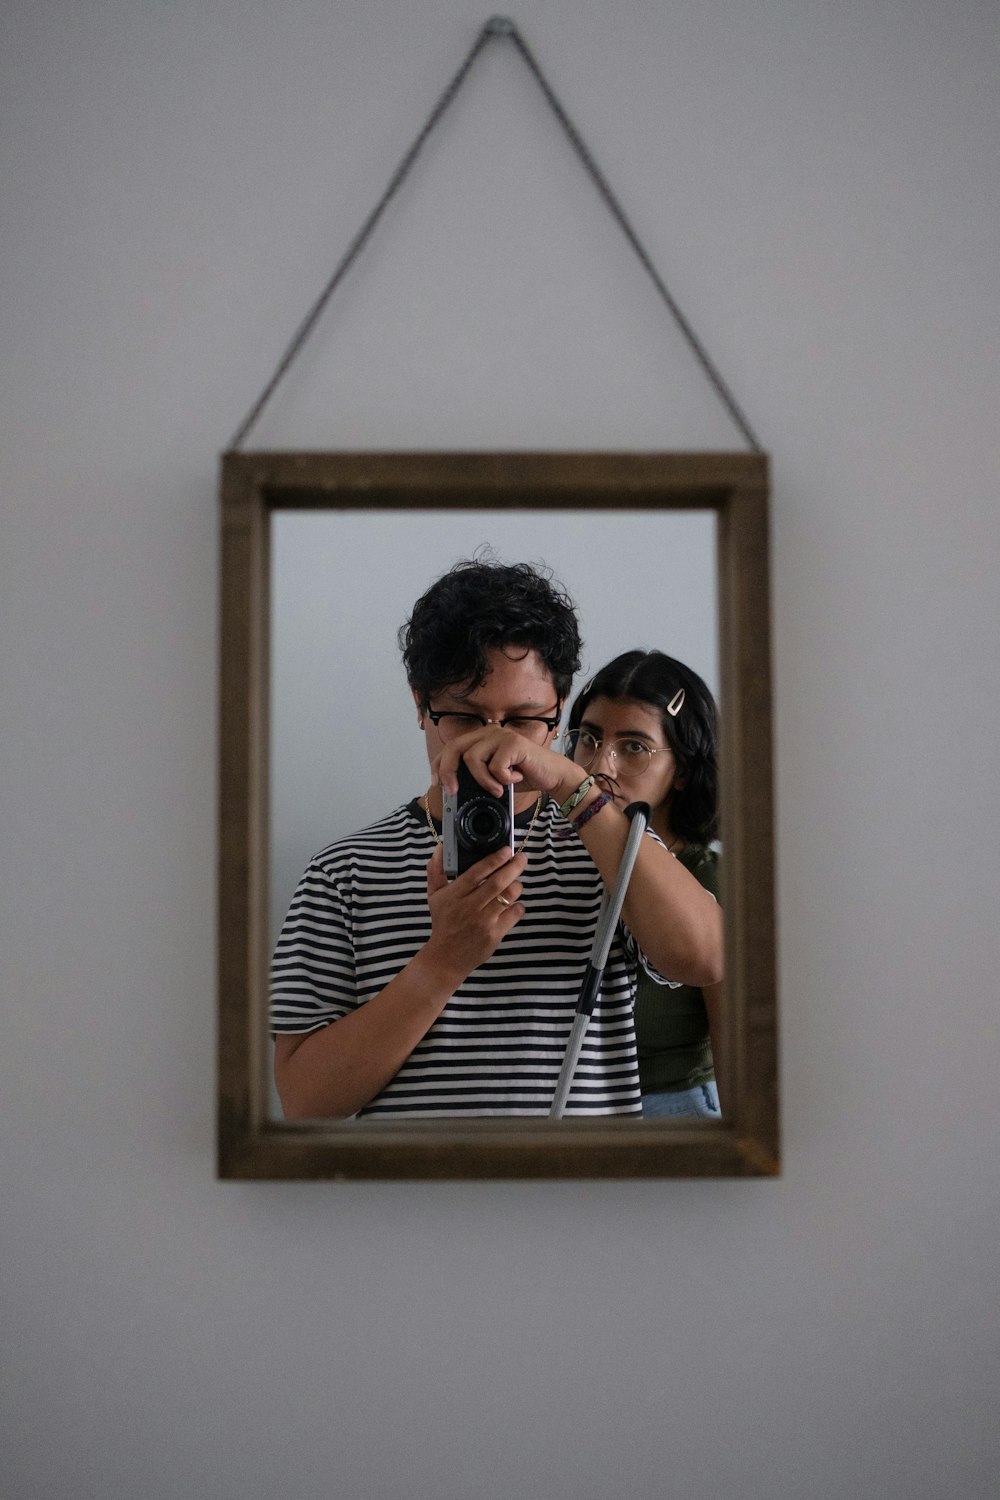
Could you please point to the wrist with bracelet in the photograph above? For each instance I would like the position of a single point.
(576, 815)
(588, 812)
(575, 798)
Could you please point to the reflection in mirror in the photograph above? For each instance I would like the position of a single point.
(323, 558)
(345, 746)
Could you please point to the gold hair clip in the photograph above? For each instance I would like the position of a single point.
(676, 703)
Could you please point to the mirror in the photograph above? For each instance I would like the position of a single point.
(323, 556)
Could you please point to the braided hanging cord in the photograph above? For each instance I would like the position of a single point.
(500, 26)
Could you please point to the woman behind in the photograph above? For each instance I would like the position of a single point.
(646, 724)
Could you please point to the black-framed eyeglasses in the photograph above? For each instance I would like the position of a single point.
(631, 756)
(450, 725)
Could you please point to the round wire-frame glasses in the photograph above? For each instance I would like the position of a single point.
(631, 756)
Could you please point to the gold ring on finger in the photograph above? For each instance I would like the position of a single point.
(504, 902)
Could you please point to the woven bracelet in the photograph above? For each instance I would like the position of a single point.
(575, 798)
(588, 812)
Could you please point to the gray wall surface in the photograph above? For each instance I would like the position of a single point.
(818, 184)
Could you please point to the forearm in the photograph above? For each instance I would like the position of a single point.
(676, 922)
(337, 1071)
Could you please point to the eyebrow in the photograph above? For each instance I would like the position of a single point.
(623, 734)
(531, 708)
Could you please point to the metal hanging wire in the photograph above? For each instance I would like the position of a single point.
(497, 26)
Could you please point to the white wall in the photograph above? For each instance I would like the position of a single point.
(819, 185)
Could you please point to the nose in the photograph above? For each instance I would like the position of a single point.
(604, 754)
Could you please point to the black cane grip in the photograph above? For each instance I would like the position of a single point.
(590, 991)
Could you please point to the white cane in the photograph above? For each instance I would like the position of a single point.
(638, 815)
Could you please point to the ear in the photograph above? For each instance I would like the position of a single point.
(420, 712)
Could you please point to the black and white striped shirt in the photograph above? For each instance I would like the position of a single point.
(359, 915)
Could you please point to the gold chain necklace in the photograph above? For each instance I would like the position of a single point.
(437, 837)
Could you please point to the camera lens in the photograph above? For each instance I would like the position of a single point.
(482, 822)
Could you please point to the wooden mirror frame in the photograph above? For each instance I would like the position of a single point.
(251, 1144)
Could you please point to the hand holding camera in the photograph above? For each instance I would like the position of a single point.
(471, 914)
(475, 823)
(499, 759)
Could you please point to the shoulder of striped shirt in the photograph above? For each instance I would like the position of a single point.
(395, 825)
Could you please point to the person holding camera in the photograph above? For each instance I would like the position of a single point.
(649, 722)
(399, 992)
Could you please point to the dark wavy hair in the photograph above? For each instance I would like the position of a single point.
(482, 604)
(654, 678)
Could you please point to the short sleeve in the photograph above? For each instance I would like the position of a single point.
(638, 958)
(313, 978)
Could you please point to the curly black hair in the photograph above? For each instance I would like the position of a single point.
(654, 678)
(480, 605)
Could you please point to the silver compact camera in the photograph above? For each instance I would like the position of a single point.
(475, 823)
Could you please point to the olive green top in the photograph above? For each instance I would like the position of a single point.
(671, 1026)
